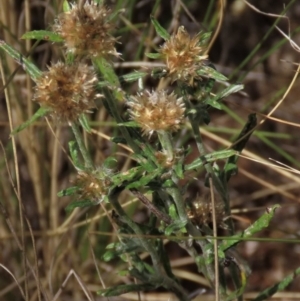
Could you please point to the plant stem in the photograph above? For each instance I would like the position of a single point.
(159, 277)
(196, 131)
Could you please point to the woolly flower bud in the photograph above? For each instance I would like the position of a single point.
(163, 160)
(68, 90)
(157, 111)
(183, 56)
(200, 211)
(86, 30)
(92, 186)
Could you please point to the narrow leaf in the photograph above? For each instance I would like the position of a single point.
(125, 288)
(80, 204)
(28, 66)
(74, 151)
(280, 286)
(160, 30)
(109, 75)
(107, 71)
(229, 90)
(178, 168)
(204, 38)
(131, 124)
(175, 227)
(257, 226)
(154, 56)
(131, 77)
(68, 191)
(211, 73)
(66, 6)
(42, 35)
(214, 103)
(84, 123)
(143, 181)
(127, 176)
(223, 154)
(38, 114)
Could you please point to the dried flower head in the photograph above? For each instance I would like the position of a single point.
(68, 90)
(157, 111)
(163, 158)
(92, 186)
(200, 211)
(183, 56)
(86, 30)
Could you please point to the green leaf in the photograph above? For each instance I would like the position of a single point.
(85, 123)
(109, 255)
(214, 103)
(125, 288)
(66, 6)
(42, 35)
(107, 71)
(74, 151)
(130, 124)
(218, 155)
(131, 77)
(211, 73)
(257, 226)
(70, 58)
(229, 90)
(129, 175)
(231, 168)
(175, 227)
(110, 164)
(38, 114)
(173, 212)
(159, 29)
(28, 66)
(143, 181)
(154, 56)
(80, 204)
(204, 38)
(280, 286)
(178, 168)
(123, 273)
(68, 191)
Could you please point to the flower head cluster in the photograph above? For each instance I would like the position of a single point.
(200, 211)
(86, 30)
(183, 56)
(92, 186)
(68, 90)
(157, 111)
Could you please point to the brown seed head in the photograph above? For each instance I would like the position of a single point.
(92, 186)
(68, 90)
(183, 56)
(200, 211)
(157, 111)
(86, 30)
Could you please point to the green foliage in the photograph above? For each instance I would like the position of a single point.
(42, 35)
(28, 66)
(41, 112)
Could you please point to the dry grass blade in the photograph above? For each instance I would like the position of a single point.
(15, 279)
